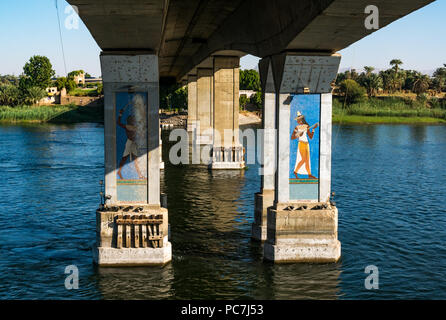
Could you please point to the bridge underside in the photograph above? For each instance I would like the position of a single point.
(184, 33)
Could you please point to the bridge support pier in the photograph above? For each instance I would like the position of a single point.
(161, 150)
(205, 106)
(265, 198)
(227, 152)
(132, 227)
(191, 102)
(302, 225)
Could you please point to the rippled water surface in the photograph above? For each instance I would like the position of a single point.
(389, 182)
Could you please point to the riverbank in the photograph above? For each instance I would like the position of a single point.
(355, 119)
(248, 117)
(390, 110)
(51, 114)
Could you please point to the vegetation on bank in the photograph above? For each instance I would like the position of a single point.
(355, 119)
(30, 87)
(390, 110)
(52, 114)
(173, 97)
(394, 95)
(371, 111)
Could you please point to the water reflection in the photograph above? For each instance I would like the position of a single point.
(135, 283)
(418, 133)
(305, 281)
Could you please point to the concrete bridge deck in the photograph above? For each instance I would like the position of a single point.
(184, 33)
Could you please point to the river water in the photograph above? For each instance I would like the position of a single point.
(389, 182)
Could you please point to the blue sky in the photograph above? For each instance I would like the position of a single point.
(30, 27)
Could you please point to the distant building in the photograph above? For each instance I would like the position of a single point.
(80, 79)
(52, 91)
(247, 93)
(92, 80)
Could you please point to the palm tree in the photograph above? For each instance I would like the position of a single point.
(396, 63)
(371, 81)
(440, 78)
(397, 77)
(9, 95)
(368, 70)
(421, 85)
(35, 94)
(374, 84)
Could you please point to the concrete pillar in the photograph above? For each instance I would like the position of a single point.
(191, 102)
(265, 197)
(132, 227)
(205, 96)
(227, 151)
(302, 223)
(161, 150)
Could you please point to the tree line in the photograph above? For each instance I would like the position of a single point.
(354, 86)
(30, 87)
(174, 96)
(250, 80)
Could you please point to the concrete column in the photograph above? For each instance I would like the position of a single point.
(205, 105)
(302, 223)
(191, 102)
(132, 227)
(265, 197)
(161, 150)
(226, 114)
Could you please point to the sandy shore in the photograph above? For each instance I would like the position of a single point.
(245, 117)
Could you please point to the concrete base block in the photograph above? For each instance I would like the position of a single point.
(132, 256)
(262, 201)
(227, 165)
(309, 252)
(302, 232)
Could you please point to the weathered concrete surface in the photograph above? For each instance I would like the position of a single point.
(265, 198)
(161, 149)
(302, 230)
(140, 72)
(226, 99)
(184, 33)
(132, 257)
(306, 235)
(262, 201)
(191, 102)
(132, 72)
(227, 150)
(293, 72)
(325, 147)
(205, 105)
(108, 252)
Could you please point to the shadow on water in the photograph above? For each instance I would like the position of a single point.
(79, 114)
(135, 283)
